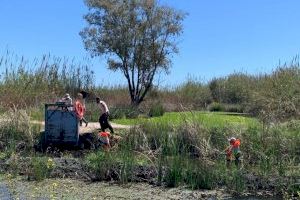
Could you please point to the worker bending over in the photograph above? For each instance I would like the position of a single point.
(233, 151)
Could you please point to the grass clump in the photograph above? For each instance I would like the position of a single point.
(16, 132)
(41, 168)
(156, 110)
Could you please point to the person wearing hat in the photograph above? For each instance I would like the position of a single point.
(104, 114)
(80, 109)
(68, 101)
(233, 151)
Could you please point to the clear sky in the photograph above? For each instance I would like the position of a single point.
(220, 36)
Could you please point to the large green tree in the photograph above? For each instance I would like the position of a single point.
(138, 38)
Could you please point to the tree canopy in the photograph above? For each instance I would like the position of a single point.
(138, 38)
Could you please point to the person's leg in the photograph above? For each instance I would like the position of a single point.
(237, 159)
(228, 163)
(108, 125)
(85, 121)
(101, 121)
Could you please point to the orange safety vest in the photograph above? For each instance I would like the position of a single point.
(79, 109)
(104, 137)
(233, 148)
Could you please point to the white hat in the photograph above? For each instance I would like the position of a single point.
(67, 95)
(231, 139)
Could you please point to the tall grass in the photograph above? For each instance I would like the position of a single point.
(28, 83)
(271, 97)
(16, 132)
(192, 155)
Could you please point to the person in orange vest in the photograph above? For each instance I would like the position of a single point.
(233, 151)
(104, 140)
(80, 109)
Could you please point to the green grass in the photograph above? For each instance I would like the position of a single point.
(206, 118)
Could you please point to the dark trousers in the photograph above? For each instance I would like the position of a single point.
(103, 120)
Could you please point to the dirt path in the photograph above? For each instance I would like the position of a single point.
(91, 126)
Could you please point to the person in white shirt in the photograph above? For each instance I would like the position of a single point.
(68, 101)
(104, 114)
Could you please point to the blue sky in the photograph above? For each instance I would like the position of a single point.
(219, 37)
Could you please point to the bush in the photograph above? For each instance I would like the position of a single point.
(235, 108)
(216, 107)
(156, 110)
(277, 96)
(233, 89)
(15, 128)
(41, 167)
(194, 94)
(120, 112)
(102, 164)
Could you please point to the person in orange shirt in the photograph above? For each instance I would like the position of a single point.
(80, 109)
(104, 140)
(233, 151)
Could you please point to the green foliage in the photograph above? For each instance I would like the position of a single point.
(156, 110)
(174, 174)
(236, 181)
(146, 37)
(193, 94)
(199, 175)
(15, 128)
(41, 167)
(233, 89)
(115, 165)
(128, 112)
(192, 154)
(276, 96)
(204, 118)
(101, 163)
(30, 83)
(234, 108)
(216, 107)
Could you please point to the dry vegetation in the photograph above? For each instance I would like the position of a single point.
(188, 153)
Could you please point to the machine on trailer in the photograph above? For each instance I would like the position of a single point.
(61, 127)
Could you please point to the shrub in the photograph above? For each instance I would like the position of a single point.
(276, 96)
(103, 165)
(41, 167)
(156, 110)
(120, 112)
(202, 176)
(216, 107)
(15, 128)
(194, 94)
(116, 165)
(235, 108)
(233, 89)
